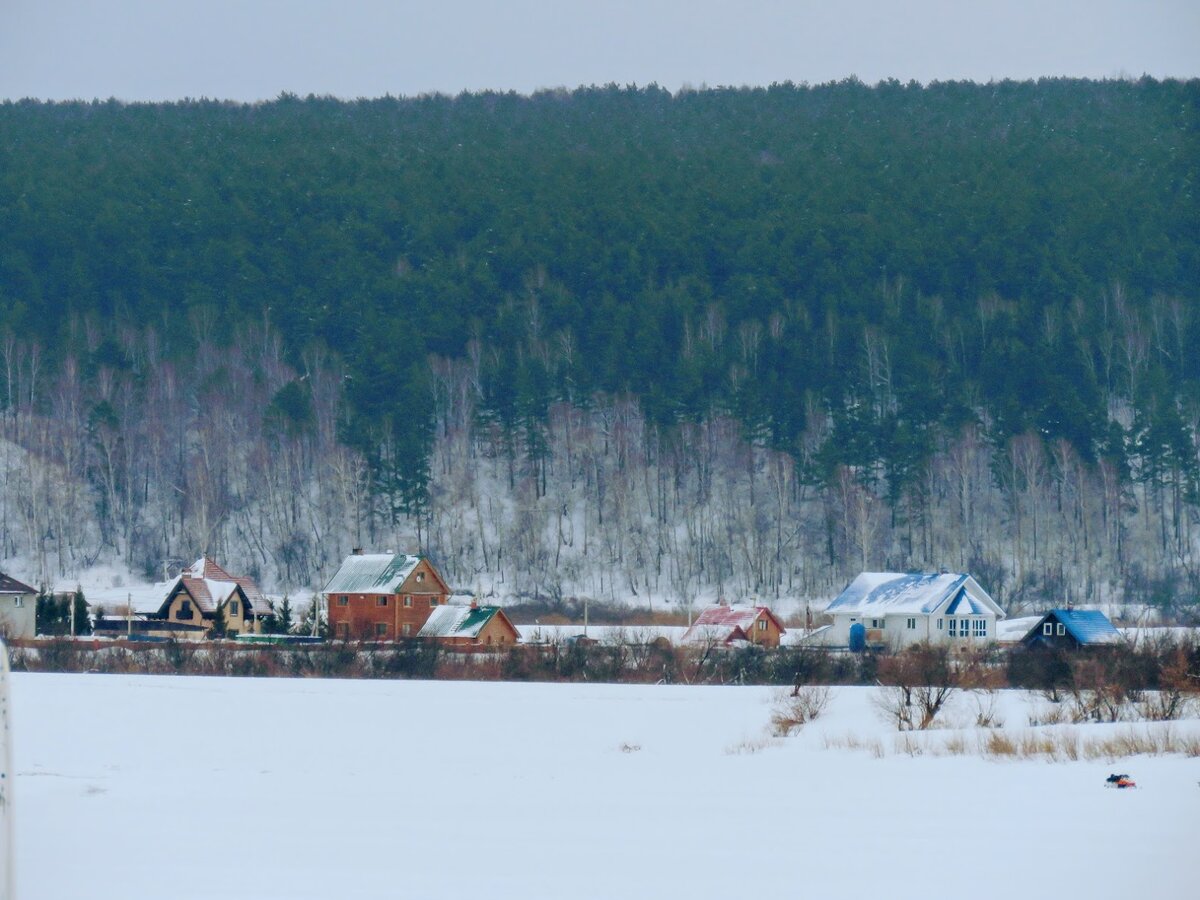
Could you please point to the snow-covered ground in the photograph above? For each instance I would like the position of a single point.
(167, 787)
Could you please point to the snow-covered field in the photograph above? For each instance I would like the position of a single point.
(168, 787)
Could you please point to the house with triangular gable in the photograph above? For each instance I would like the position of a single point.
(382, 596)
(204, 588)
(726, 624)
(470, 626)
(896, 609)
(1072, 629)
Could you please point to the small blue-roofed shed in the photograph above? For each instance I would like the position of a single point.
(1071, 628)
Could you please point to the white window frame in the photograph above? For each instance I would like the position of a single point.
(912, 624)
(1048, 629)
(1062, 629)
(953, 630)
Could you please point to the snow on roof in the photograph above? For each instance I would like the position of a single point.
(1012, 630)
(10, 585)
(210, 585)
(457, 621)
(1088, 626)
(915, 592)
(721, 623)
(371, 573)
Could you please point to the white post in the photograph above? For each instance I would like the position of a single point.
(129, 617)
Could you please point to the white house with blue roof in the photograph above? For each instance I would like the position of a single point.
(896, 609)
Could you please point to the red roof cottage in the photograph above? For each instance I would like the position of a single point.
(725, 624)
(382, 596)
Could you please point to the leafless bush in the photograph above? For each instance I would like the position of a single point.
(798, 708)
(916, 683)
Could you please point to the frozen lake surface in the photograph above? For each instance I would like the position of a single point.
(134, 787)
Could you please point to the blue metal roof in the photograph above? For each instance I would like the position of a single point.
(1088, 626)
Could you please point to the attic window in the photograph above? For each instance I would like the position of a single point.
(420, 576)
(1062, 629)
(1048, 628)
(762, 624)
(233, 608)
(185, 610)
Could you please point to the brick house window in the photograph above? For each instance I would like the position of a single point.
(343, 600)
(408, 601)
(433, 601)
(382, 600)
(380, 629)
(406, 629)
(343, 630)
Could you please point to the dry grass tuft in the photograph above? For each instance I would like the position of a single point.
(751, 745)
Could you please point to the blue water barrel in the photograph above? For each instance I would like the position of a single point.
(858, 637)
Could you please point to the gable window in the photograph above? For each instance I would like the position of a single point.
(185, 610)
(1062, 629)
(762, 624)
(233, 608)
(911, 623)
(381, 600)
(1048, 628)
(343, 600)
(380, 629)
(420, 576)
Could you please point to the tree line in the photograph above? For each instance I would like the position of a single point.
(613, 341)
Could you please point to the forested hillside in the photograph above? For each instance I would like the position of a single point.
(614, 342)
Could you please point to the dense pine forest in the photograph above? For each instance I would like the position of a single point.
(613, 342)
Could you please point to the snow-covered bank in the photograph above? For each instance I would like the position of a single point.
(153, 787)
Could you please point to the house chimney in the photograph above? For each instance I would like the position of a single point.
(474, 603)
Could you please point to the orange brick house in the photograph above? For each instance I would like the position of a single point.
(382, 596)
(470, 626)
(725, 624)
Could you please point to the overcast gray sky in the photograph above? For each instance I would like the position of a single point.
(255, 49)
